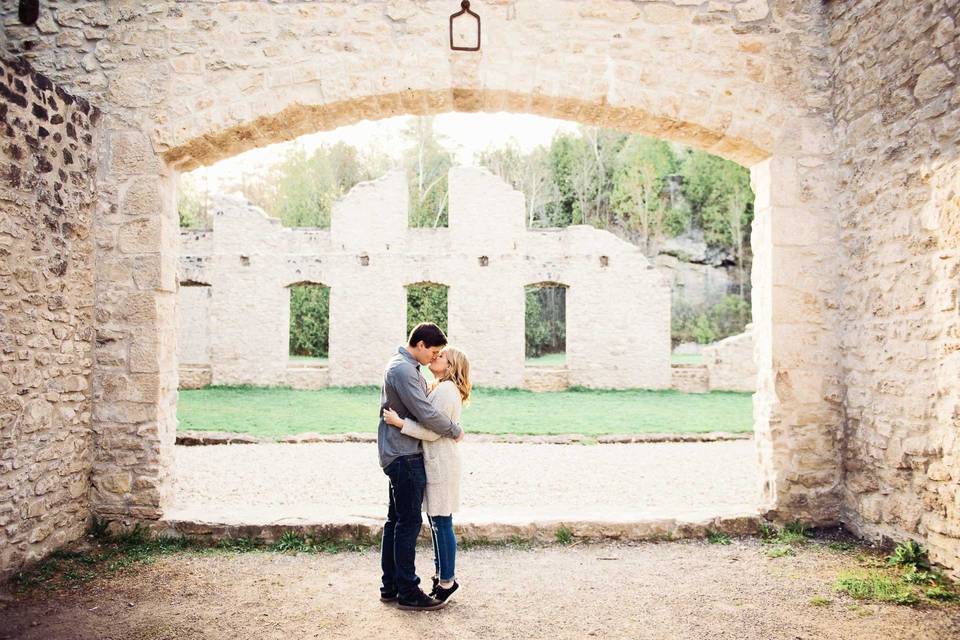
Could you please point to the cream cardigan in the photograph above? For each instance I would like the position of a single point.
(441, 456)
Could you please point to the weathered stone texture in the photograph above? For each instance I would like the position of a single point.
(730, 363)
(897, 106)
(47, 140)
(618, 306)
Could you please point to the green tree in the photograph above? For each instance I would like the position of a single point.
(426, 302)
(309, 320)
(562, 159)
(528, 173)
(639, 185)
(427, 163)
(306, 185)
(545, 320)
(722, 201)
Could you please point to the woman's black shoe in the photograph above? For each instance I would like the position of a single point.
(436, 583)
(420, 602)
(442, 594)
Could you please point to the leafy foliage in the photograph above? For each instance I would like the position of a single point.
(427, 163)
(909, 553)
(546, 320)
(309, 320)
(726, 318)
(718, 537)
(426, 302)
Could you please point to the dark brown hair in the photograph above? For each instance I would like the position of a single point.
(429, 333)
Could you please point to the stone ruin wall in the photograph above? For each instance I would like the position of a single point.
(48, 147)
(897, 108)
(730, 365)
(237, 320)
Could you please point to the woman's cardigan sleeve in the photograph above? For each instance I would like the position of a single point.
(445, 398)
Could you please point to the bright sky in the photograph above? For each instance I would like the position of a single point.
(464, 134)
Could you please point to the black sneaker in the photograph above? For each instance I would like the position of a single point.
(436, 583)
(420, 602)
(388, 597)
(442, 594)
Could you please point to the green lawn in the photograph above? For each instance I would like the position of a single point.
(548, 360)
(275, 412)
(686, 358)
(307, 360)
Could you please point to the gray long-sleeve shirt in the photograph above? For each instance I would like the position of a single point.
(405, 391)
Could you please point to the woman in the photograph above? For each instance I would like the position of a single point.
(441, 459)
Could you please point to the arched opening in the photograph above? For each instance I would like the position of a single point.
(507, 258)
(731, 102)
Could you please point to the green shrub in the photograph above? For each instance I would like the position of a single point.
(909, 553)
(310, 320)
(717, 537)
(704, 325)
(545, 319)
(426, 302)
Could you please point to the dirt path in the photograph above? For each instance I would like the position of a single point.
(671, 591)
(513, 483)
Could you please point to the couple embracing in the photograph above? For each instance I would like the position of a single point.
(417, 441)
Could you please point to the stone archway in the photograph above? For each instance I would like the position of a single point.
(181, 86)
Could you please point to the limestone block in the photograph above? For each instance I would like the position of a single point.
(140, 236)
(752, 10)
(932, 82)
(132, 154)
(142, 197)
(663, 13)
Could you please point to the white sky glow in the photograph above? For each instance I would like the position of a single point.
(464, 134)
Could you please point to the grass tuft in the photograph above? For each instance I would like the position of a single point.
(873, 586)
(717, 537)
(779, 551)
(904, 577)
(564, 535)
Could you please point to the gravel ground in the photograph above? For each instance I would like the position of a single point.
(502, 483)
(674, 591)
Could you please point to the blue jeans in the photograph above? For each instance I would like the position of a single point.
(444, 547)
(408, 479)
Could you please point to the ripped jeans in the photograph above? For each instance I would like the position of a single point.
(444, 546)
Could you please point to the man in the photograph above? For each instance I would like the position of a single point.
(401, 458)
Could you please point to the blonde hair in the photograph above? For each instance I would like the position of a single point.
(458, 372)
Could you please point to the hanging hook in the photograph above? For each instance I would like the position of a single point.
(465, 9)
(28, 12)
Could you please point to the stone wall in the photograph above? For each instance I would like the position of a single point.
(48, 141)
(897, 106)
(618, 306)
(730, 363)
